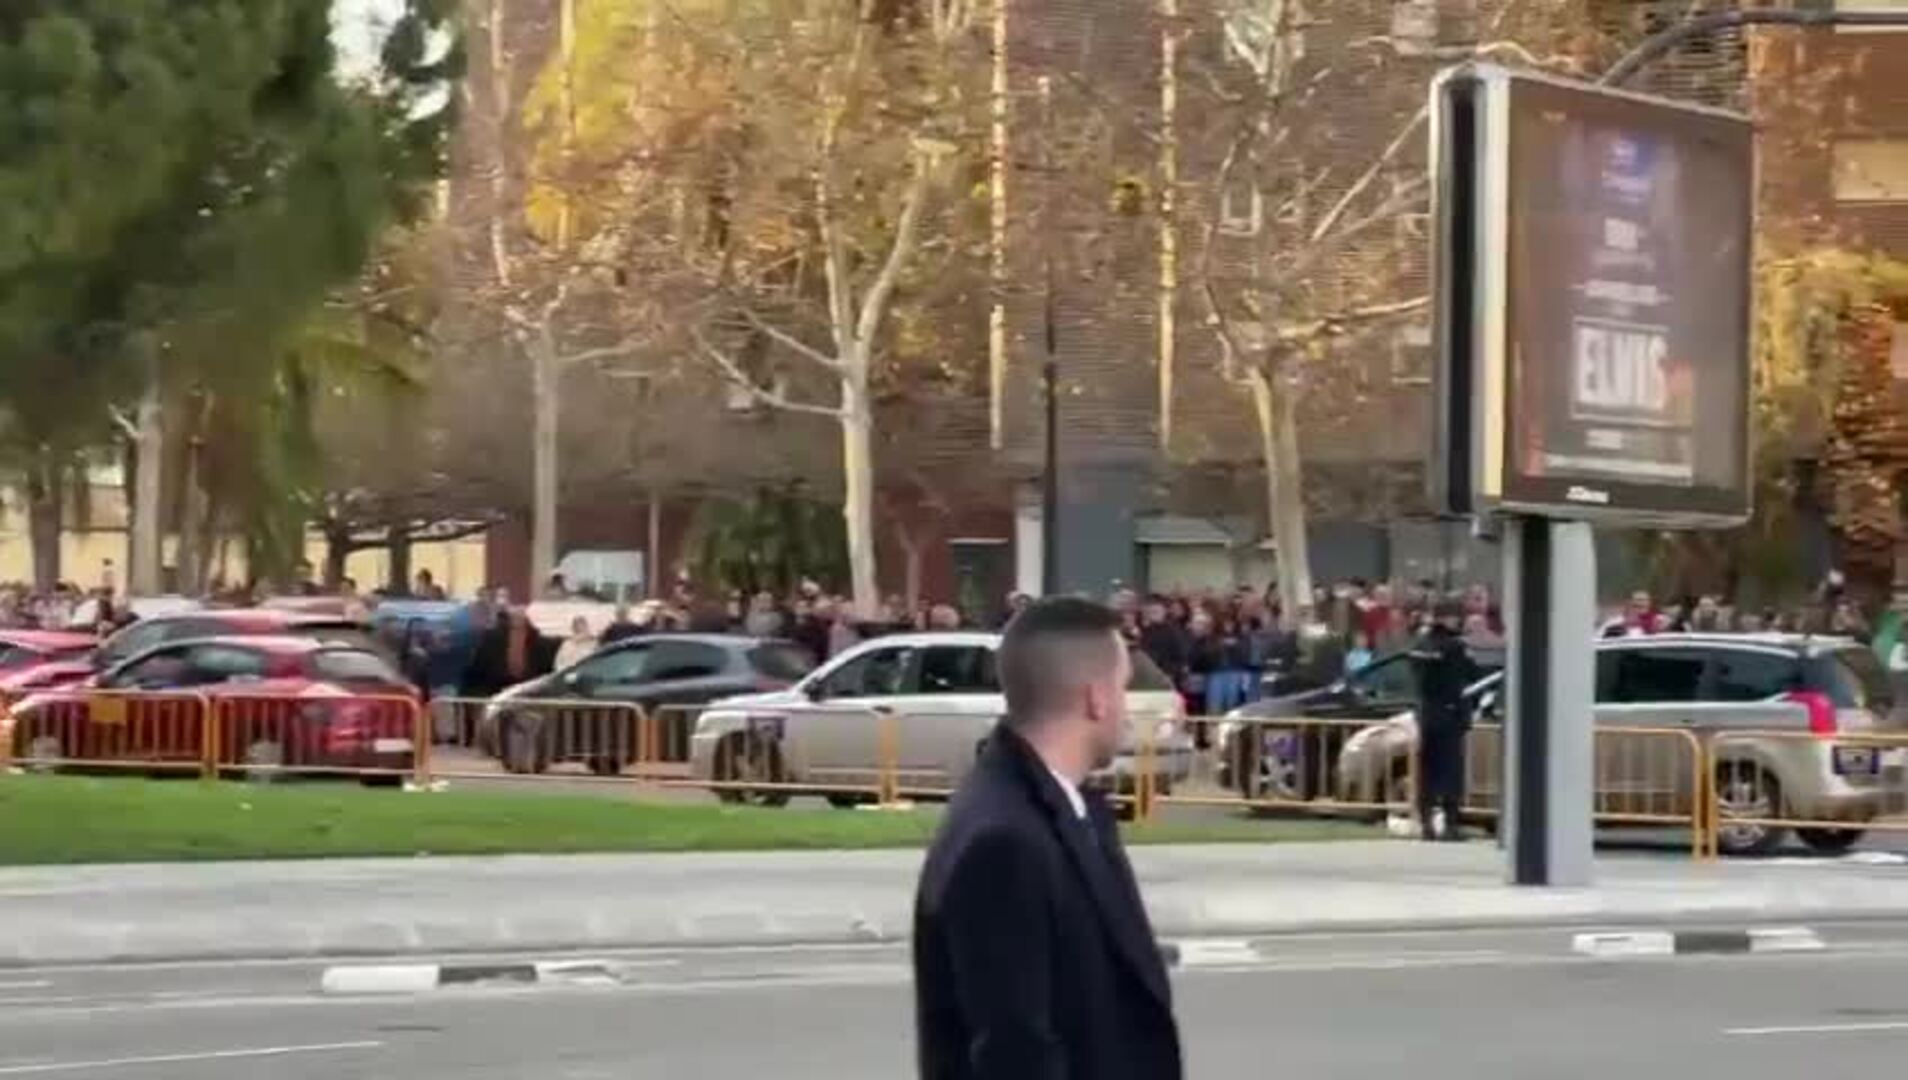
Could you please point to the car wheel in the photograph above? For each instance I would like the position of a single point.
(741, 761)
(522, 745)
(1830, 841)
(1281, 771)
(841, 801)
(606, 765)
(1746, 790)
(41, 752)
(263, 759)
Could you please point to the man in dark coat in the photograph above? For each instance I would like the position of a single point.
(1033, 957)
(1444, 669)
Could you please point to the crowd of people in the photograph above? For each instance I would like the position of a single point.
(1831, 611)
(1218, 647)
(64, 607)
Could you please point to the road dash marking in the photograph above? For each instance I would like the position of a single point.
(173, 1059)
(1821, 1029)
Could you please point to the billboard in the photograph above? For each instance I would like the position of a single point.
(1593, 295)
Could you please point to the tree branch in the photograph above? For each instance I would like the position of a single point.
(875, 304)
(740, 379)
(1370, 174)
(605, 352)
(829, 363)
(123, 422)
(1338, 322)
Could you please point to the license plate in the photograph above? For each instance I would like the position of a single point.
(1856, 760)
(391, 746)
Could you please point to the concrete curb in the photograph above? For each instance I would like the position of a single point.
(419, 978)
(1611, 945)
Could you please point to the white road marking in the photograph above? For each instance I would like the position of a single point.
(36, 984)
(1216, 952)
(1785, 939)
(172, 1059)
(386, 979)
(1821, 1029)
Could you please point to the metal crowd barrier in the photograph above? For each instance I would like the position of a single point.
(528, 737)
(851, 756)
(1285, 764)
(382, 738)
(1829, 788)
(156, 733)
(256, 737)
(1361, 768)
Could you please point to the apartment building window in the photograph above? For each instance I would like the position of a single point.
(1898, 355)
(1893, 6)
(1871, 170)
(1411, 355)
(1414, 26)
(1241, 210)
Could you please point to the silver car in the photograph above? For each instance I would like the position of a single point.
(1755, 700)
(826, 734)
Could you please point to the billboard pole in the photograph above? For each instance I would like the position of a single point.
(1551, 574)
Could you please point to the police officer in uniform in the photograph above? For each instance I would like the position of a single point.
(1445, 668)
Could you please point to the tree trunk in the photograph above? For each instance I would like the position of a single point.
(192, 523)
(398, 544)
(652, 573)
(44, 503)
(911, 553)
(543, 507)
(209, 550)
(337, 554)
(149, 440)
(1285, 498)
(857, 502)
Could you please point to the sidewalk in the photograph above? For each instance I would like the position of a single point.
(528, 903)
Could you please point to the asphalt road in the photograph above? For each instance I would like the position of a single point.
(1463, 1006)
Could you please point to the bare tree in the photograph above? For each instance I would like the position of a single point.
(1321, 256)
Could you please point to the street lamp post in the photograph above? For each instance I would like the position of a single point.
(1050, 364)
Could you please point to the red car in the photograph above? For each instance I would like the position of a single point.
(227, 622)
(279, 703)
(32, 659)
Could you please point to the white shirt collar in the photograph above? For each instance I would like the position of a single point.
(1073, 793)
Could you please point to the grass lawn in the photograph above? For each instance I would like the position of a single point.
(45, 819)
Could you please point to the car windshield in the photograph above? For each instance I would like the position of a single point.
(781, 661)
(1146, 674)
(354, 666)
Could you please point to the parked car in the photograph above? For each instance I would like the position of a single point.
(1710, 685)
(1299, 761)
(28, 648)
(227, 622)
(36, 659)
(85, 615)
(944, 690)
(279, 700)
(525, 729)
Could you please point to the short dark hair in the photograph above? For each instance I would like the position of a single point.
(1053, 644)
